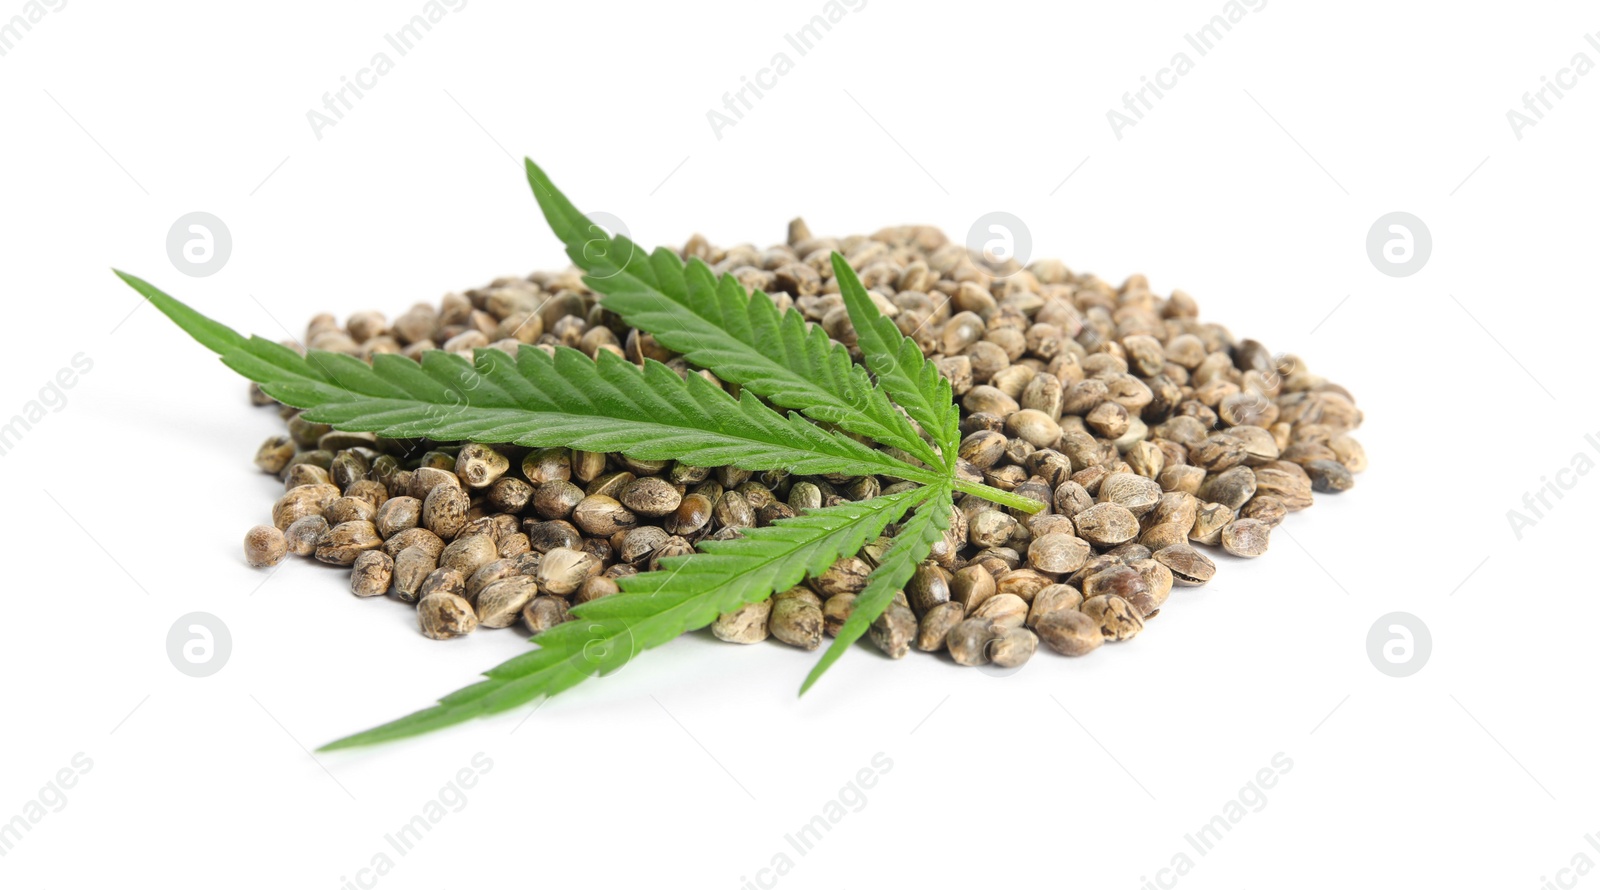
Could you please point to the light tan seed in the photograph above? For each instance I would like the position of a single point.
(746, 624)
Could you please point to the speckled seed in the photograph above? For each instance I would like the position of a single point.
(348, 509)
(1189, 567)
(1246, 537)
(1230, 488)
(1136, 493)
(493, 571)
(1117, 618)
(563, 570)
(397, 515)
(1034, 427)
(1329, 476)
(1013, 648)
(445, 615)
(414, 537)
(444, 511)
(651, 496)
(1106, 525)
(544, 612)
(1070, 632)
(468, 554)
(344, 542)
(411, 567)
(936, 624)
(1124, 582)
(499, 604)
(555, 499)
(1265, 508)
(479, 466)
(302, 501)
(991, 528)
(1208, 522)
(746, 624)
(274, 454)
(303, 534)
(836, 611)
(893, 630)
(1157, 577)
(928, 586)
(371, 574)
(264, 545)
(443, 581)
(1058, 553)
(602, 516)
(797, 618)
(1053, 599)
(732, 510)
(595, 588)
(1004, 610)
(968, 641)
(847, 575)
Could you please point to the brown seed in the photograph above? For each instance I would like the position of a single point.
(445, 615)
(544, 612)
(547, 536)
(983, 449)
(968, 641)
(797, 618)
(673, 546)
(563, 570)
(847, 575)
(444, 511)
(1329, 476)
(928, 586)
(836, 611)
(1034, 427)
(371, 574)
(469, 553)
(1122, 581)
(971, 585)
(1052, 599)
(412, 567)
(302, 501)
(1106, 525)
(894, 630)
(397, 515)
(1058, 553)
(1190, 568)
(1347, 451)
(1108, 419)
(1013, 648)
(693, 512)
(414, 537)
(490, 572)
(264, 546)
(344, 542)
(991, 528)
(1208, 522)
(1287, 482)
(1230, 488)
(1022, 583)
(1136, 493)
(746, 624)
(1246, 537)
(651, 496)
(425, 479)
(348, 509)
(1117, 618)
(1157, 577)
(936, 624)
(1265, 508)
(733, 510)
(303, 534)
(509, 494)
(595, 588)
(602, 516)
(274, 454)
(443, 581)
(1004, 610)
(641, 543)
(1070, 632)
(499, 604)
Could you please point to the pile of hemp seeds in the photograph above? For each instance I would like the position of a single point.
(1148, 436)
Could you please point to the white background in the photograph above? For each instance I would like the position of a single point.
(1251, 185)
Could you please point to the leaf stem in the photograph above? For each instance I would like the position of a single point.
(998, 496)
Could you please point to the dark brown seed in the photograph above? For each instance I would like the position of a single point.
(544, 612)
(1329, 476)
